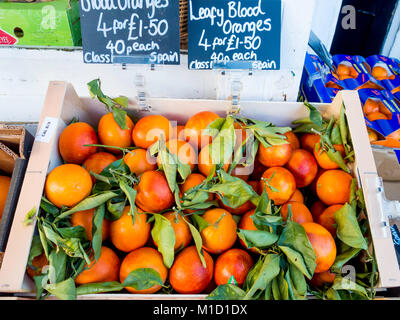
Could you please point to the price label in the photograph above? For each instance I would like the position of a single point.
(223, 31)
(130, 31)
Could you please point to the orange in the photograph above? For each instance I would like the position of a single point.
(371, 106)
(313, 185)
(317, 208)
(275, 156)
(139, 161)
(297, 196)
(183, 235)
(394, 135)
(327, 218)
(196, 125)
(300, 212)
(153, 192)
(205, 162)
(323, 159)
(178, 133)
(246, 223)
(333, 187)
(353, 72)
(143, 258)
(242, 172)
(282, 182)
(85, 220)
(248, 205)
(303, 166)
(149, 129)
(38, 263)
(187, 275)
(98, 162)
(309, 140)
(4, 187)
(384, 110)
(234, 263)
(293, 140)
(111, 134)
(376, 116)
(193, 180)
(72, 141)
(220, 235)
(183, 150)
(391, 143)
(67, 185)
(323, 244)
(105, 269)
(319, 279)
(126, 235)
(343, 71)
(379, 73)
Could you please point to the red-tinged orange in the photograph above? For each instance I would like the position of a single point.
(139, 161)
(309, 140)
(279, 184)
(327, 218)
(104, 270)
(188, 275)
(150, 129)
(98, 162)
(303, 166)
(313, 185)
(143, 258)
(317, 208)
(127, 235)
(333, 187)
(293, 140)
(67, 185)
(73, 140)
(38, 263)
(220, 235)
(300, 212)
(322, 278)
(85, 220)
(234, 263)
(111, 134)
(297, 197)
(195, 126)
(323, 244)
(153, 192)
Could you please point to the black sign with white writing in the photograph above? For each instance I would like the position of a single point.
(130, 31)
(223, 31)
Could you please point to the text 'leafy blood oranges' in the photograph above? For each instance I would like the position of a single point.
(220, 235)
(139, 161)
(303, 167)
(85, 220)
(105, 269)
(153, 192)
(334, 187)
(195, 126)
(234, 263)
(188, 275)
(111, 134)
(67, 185)
(127, 235)
(145, 257)
(98, 162)
(150, 129)
(279, 184)
(4, 188)
(72, 140)
(323, 244)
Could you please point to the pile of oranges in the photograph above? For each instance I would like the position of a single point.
(297, 175)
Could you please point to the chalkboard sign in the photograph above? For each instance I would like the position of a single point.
(130, 31)
(223, 31)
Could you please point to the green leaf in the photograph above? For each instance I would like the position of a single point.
(315, 115)
(164, 235)
(344, 257)
(72, 232)
(120, 118)
(89, 203)
(200, 222)
(130, 195)
(295, 244)
(221, 148)
(97, 234)
(335, 135)
(64, 290)
(36, 249)
(348, 229)
(268, 271)
(296, 282)
(280, 288)
(226, 292)
(336, 157)
(99, 287)
(346, 284)
(58, 262)
(30, 216)
(169, 166)
(115, 210)
(39, 280)
(332, 294)
(214, 127)
(143, 278)
(122, 101)
(198, 242)
(257, 238)
(48, 207)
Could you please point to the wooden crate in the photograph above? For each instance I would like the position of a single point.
(62, 104)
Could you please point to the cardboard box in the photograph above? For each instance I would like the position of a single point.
(62, 104)
(48, 23)
(15, 146)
